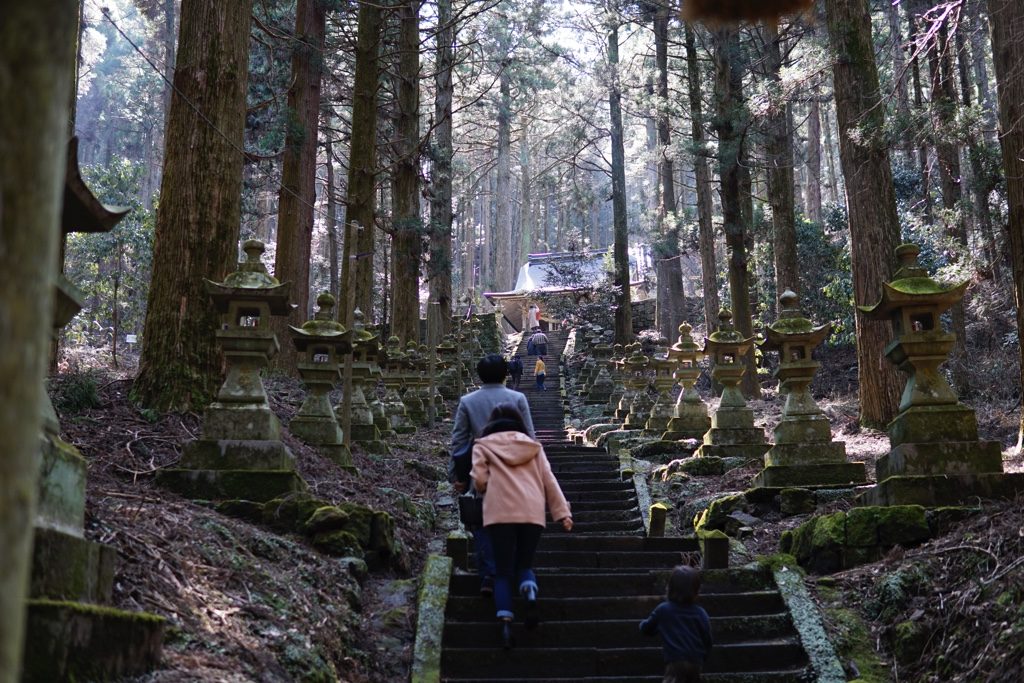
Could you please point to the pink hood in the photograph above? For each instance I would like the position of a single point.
(513, 471)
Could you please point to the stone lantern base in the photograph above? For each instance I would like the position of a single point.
(733, 435)
(325, 435)
(804, 456)
(693, 424)
(368, 436)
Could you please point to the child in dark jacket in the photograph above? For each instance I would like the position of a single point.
(684, 628)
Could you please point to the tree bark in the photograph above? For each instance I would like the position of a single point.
(196, 235)
(779, 144)
(833, 179)
(332, 223)
(623, 304)
(502, 232)
(671, 308)
(1007, 19)
(729, 122)
(813, 193)
(702, 174)
(361, 204)
(295, 203)
(899, 61)
(439, 266)
(870, 197)
(914, 10)
(407, 236)
(37, 58)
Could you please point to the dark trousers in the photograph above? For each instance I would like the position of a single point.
(681, 672)
(514, 546)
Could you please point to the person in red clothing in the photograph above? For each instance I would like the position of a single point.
(515, 474)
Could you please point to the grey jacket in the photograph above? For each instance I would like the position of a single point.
(475, 410)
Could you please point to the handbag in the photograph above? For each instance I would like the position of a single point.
(471, 510)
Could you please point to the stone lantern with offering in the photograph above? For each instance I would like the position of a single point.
(936, 457)
(804, 454)
(690, 415)
(732, 430)
(320, 342)
(240, 454)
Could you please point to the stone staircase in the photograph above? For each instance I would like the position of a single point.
(600, 580)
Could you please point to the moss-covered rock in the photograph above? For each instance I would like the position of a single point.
(339, 543)
(909, 640)
(323, 519)
(288, 513)
(716, 515)
(660, 451)
(708, 466)
(426, 470)
(902, 525)
(827, 541)
(797, 502)
(247, 510)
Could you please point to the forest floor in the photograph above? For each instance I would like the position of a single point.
(248, 604)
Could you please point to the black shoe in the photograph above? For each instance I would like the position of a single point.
(532, 619)
(486, 587)
(507, 641)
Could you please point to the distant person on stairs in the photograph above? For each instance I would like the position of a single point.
(533, 317)
(539, 340)
(471, 417)
(684, 628)
(540, 372)
(515, 370)
(511, 467)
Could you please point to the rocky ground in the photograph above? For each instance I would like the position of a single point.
(246, 603)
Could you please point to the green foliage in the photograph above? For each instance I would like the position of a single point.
(894, 591)
(76, 393)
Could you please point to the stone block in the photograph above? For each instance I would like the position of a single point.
(943, 490)
(797, 501)
(316, 430)
(61, 487)
(729, 436)
(856, 556)
(205, 454)
(733, 418)
(255, 485)
(797, 454)
(339, 454)
(838, 474)
(902, 525)
(68, 567)
(242, 422)
(862, 527)
(747, 451)
(925, 424)
(955, 457)
(70, 641)
(714, 546)
(806, 429)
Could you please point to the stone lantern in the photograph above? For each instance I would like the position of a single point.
(319, 343)
(690, 415)
(936, 456)
(639, 403)
(450, 377)
(663, 409)
(364, 367)
(68, 634)
(732, 430)
(804, 454)
(240, 454)
(413, 396)
(616, 363)
(393, 363)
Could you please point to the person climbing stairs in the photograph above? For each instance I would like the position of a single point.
(599, 581)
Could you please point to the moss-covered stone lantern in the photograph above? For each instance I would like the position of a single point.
(320, 343)
(414, 381)
(394, 364)
(635, 412)
(936, 457)
(690, 414)
(68, 634)
(616, 368)
(365, 350)
(240, 454)
(449, 381)
(732, 430)
(804, 454)
(662, 412)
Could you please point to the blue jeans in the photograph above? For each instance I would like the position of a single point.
(484, 552)
(540, 381)
(514, 548)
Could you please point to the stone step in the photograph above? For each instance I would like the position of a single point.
(582, 662)
(613, 632)
(592, 486)
(584, 525)
(596, 584)
(795, 675)
(626, 502)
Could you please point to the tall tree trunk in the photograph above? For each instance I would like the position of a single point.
(813, 187)
(914, 10)
(729, 122)
(871, 199)
(944, 106)
(526, 234)
(406, 240)
(1007, 19)
(830, 157)
(979, 49)
(503, 188)
(439, 266)
(360, 204)
(332, 223)
(295, 203)
(623, 304)
(702, 174)
(37, 59)
(200, 206)
(672, 308)
(899, 62)
(168, 39)
(779, 144)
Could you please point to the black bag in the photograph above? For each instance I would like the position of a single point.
(471, 510)
(461, 463)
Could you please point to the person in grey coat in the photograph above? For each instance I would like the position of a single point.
(471, 417)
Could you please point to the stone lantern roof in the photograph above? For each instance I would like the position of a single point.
(323, 327)
(727, 338)
(685, 347)
(251, 282)
(792, 326)
(912, 286)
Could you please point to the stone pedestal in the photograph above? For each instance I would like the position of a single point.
(732, 432)
(363, 428)
(804, 454)
(240, 454)
(601, 390)
(663, 410)
(936, 456)
(690, 419)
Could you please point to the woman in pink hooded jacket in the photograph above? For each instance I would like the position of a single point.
(513, 471)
